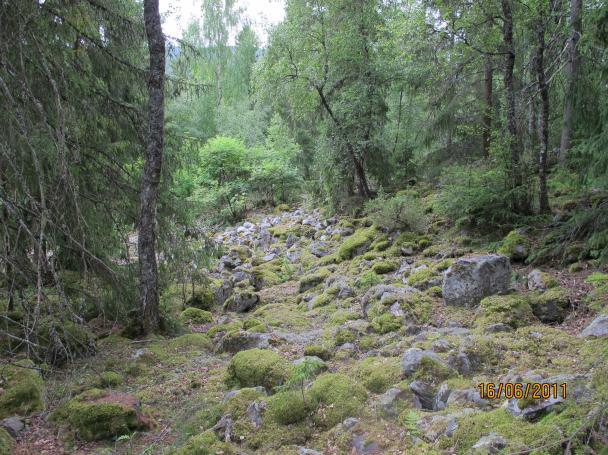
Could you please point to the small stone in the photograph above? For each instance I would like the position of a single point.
(412, 358)
(424, 393)
(491, 443)
(597, 328)
(13, 425)
(441, 398)
(391, 401)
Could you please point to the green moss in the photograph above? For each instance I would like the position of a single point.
(513, 310)
(195, 316)
(521, 435)
(432, 251)
(319, 351)
(96, 415)
(201, 298)
(435, 291)
(6, 442)
(344, 336)
(338, 395)
(287, 407)
(269, 274)
(206, 443)
(418, 306)
(356, 243)
(386, 323)
(23, 389)
(381, 245)
(443, 265)
(258, 367)
(368, 280)
(228, 327)
(420, 278)
(191, 341)
(385, 267)
(377, 374)
(237, 405)
(281, 208)
(322, 300)
(431, 371)
(313, 279)
(109, 379)
(515, 246)
(279, 231)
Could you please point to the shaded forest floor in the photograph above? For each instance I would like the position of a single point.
(351, 299)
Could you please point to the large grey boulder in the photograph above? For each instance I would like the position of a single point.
(471, 279)
(234, 342)
(241, 301)
(597, 328)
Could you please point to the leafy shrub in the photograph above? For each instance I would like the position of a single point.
(402, 212)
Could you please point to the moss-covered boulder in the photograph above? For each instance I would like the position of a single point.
(337, 397)
(423, 279)
(195, 316)
(101, 414)
(287, 407)
(23, 389)
(541, 281)
(206, 443)
(356, 244)
(6, 442)
(513, 310)
(313, 279)
(515, 246)
(317, 351)
(377, 374)
(551, 306)
(258, 367)
(386, 323)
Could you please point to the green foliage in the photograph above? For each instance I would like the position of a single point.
(6, 442)
(195, 316)
(287, 407)
(23, 389)
(513, 310)
(377, 374)
(357, 243)
(399, 212)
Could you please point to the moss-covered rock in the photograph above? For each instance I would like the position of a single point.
(422, 278)
(551, 306)
(386, 323)
(515, 246)
(206, 443)
(317, 351)
(385, 267)
(338, 396)
(195, 316)
(377, 374)
(109, 379)
(258, 367)
(344, 335)
(6, 442)
(311, 280)
(513, 310)
(23, 389)
(99, 414)
(356, 244)
(287, 407)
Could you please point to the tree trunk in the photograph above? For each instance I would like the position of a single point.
(507, 35)
(572, 73)
(544, 113)
(487, 110)
(148, 273)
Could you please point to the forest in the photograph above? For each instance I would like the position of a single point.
(377, 227)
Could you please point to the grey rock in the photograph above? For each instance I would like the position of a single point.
(293, 256)
(221, 294)
(424, 394)
(230, 262)
(350, 422)
(254, 412)
(433, 427)
(242, 301)
(319, 248)
(392, 401)
(597, 328)
(535, 410)
(223, 428)
(140, 352)
(461, 363)
(240, 276)
(13, 425)
(233, 393)
(305, 451)
(490, 443)
(291, 240)
(466, 398)
(536, 281)
(498, 327)
(248, 225)
(551, 307)
(269, 257)
(407, 251)
(441, 398)
(471, 279)
(362, 446)
(412, 358)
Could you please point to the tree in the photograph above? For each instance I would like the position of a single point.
(148, 271)
(573, 69)
(544, 107)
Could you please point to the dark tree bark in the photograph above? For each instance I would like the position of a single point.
(148, 273)
(507, 35)
(572, 73)
(544, 112)
(488, 71)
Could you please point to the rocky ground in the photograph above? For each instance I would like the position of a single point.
(327, 335)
